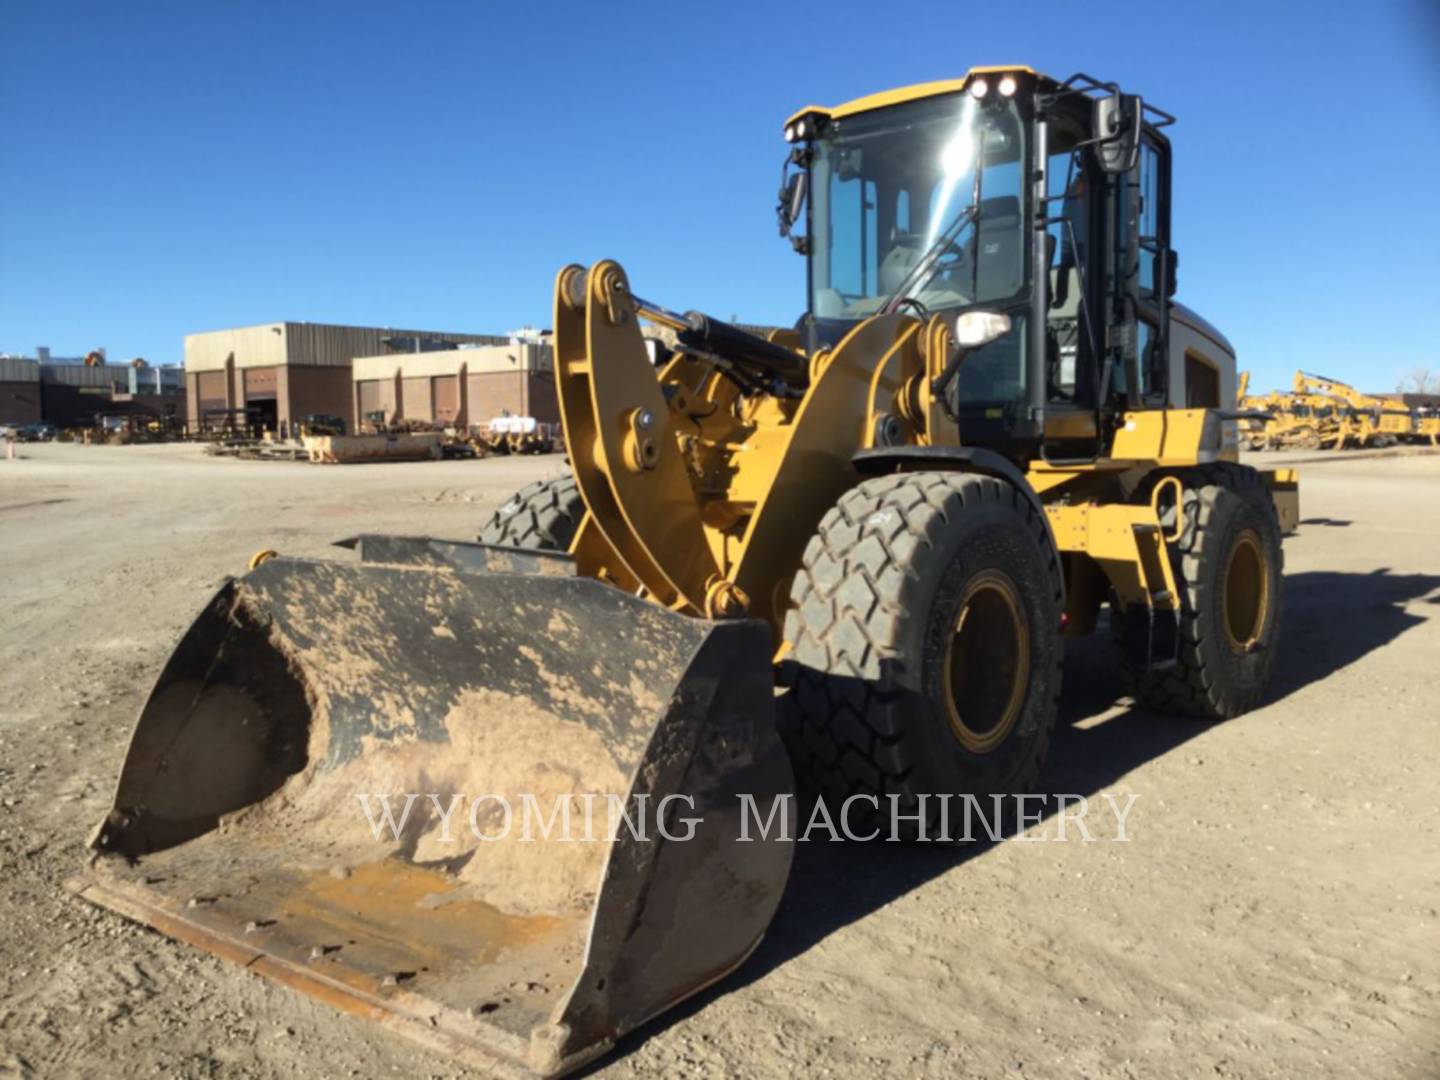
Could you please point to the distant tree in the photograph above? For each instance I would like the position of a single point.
(1419, 380)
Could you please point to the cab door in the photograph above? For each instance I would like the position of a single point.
(1142, 275)
(1155, 267)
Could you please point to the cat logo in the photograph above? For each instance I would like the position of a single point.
(990, 249)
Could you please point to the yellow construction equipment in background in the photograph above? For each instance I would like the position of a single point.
(1320, 413)
(1275, 420)
(1427, 426)
(992, 425)
(1378, 421)
(1288, 421)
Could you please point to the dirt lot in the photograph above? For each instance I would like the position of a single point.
(1273, 914)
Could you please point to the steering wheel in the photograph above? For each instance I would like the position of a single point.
(909, 301)
(953, 262)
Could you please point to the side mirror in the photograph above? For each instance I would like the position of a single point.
(1117, 120)
(792, 198)
(1172, 285)
(793, 189)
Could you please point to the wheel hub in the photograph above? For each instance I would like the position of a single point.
(1246, 591)
(987, 662)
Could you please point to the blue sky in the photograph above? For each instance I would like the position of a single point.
(174, 167)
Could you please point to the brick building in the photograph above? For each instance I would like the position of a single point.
(458, 387)
(279, 373)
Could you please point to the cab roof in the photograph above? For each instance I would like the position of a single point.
(915, 92)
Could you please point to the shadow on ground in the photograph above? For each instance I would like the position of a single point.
(1331, 620)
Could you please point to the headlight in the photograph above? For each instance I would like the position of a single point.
(976, 328)
(979, 88)
(1007, 86)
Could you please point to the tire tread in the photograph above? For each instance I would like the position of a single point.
(542, 516)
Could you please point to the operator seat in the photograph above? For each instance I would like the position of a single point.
(1000, 244)
(905, 251)
(997, 237)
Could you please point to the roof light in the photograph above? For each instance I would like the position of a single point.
(801, 130)
(979, 88)
(1007, 86)
(789, 132)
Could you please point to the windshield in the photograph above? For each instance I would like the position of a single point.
(936, 182)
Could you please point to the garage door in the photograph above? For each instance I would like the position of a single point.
(418, 403)
(260, 384)
(447, 398)
(210, 390)
(369, 397)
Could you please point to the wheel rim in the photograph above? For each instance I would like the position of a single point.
(1247, 592)
(987, 662)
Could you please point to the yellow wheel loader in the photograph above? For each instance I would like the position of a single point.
(849, 552)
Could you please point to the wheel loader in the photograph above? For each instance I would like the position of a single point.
(840, 558)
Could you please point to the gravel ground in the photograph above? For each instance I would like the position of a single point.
(1274, 912)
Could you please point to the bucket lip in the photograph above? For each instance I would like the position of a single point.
(468, 1038)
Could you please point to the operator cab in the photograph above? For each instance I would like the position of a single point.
(1008, 192)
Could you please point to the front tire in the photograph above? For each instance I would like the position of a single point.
(924, 644)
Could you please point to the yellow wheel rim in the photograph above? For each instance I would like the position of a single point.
(987, 662)
(1246, 590)
(262, 556)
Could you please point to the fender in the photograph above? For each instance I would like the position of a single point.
(974, 459)
(971, 459)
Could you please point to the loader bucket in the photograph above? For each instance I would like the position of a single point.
(248, 818)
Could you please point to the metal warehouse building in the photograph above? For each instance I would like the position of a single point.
(73, 393)
(19, 390)
(283, 372)
(458, 387)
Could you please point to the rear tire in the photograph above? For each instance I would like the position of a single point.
(924, 644)
(1228, 564)
(542, 516)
